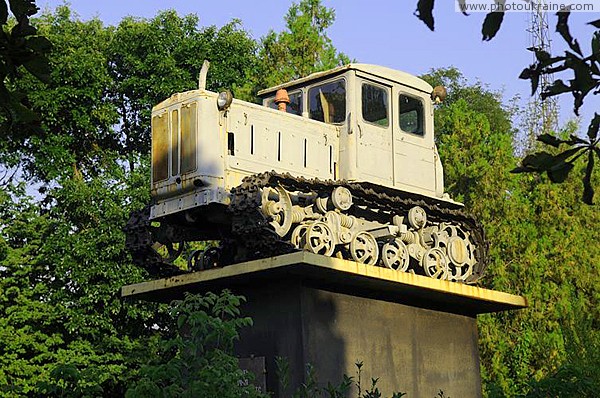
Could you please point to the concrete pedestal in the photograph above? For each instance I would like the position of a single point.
(416, 334)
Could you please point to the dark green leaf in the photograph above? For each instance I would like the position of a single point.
(562, 27)
(22, 29)
(538, 161)
(491, 25)
(23, 8)
(39, 44)
(593, 128)
(573, 139)
(595, 23)
(39, 67)
(588, 190)
(425, 12)
(549, 139)
(526, 73)
(521, 169)
(572, 152)
(533, 74)
(543, 58)
(596, 46)
(584, 80)
(540, 55)
(544, 161)
(558, 87)
(559, 173)
(3, 13)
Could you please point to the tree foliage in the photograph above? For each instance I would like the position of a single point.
(61, 315)
(586, 80)
(585, 70)
(149, 60)
(21, 48)
(105, 80)
(64, 329)
(538, 248)
(198, 361)
(303, 48)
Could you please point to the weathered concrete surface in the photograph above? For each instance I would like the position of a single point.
(418, 335)
(355, 278)
(410, 349)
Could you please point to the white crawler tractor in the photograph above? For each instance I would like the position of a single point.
(339, 163)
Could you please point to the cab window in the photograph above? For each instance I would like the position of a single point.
(411, 115)
(375, 105)
(327, 102)
(295, 105)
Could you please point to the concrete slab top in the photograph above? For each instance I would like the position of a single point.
(335, 275)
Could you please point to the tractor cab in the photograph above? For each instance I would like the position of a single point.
(385, 120)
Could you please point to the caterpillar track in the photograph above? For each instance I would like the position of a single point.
(272, 214)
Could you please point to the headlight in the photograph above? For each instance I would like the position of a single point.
(224, 100)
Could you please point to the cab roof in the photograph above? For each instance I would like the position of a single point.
(375, 70)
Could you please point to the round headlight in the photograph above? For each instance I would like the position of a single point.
(224, 100)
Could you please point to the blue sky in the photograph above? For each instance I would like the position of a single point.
(383, 32)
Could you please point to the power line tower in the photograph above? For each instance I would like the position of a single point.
(542, 115)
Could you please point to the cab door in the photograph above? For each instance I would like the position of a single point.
(414, 147)
(374, 129)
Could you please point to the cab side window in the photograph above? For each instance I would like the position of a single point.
(295, 105)
(375, 105)
(411, 115)
(327, 102)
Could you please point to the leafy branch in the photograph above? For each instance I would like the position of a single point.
(20, 47)
(586, 80)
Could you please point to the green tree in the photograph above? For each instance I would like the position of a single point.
(60, 306)
(64, 329)
(149, 60)
(21, 48)
(303, 48)
(536, 232)
(585, 71)
(77, 117)
(105, 80)
(198, 361)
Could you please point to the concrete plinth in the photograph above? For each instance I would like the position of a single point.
(416, 334)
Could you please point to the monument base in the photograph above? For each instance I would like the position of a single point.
(415, 334)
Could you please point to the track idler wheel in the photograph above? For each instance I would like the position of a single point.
(298, 235)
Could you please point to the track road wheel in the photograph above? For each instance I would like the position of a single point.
(364, 249)
(434, 263)
(276, 205)
(318, 239)
(298, 235)
(395, 255)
